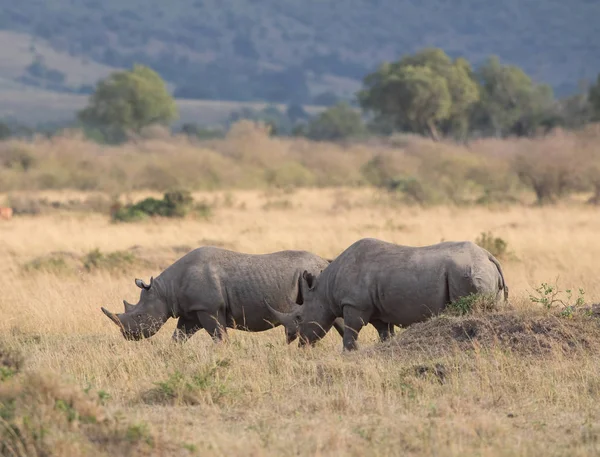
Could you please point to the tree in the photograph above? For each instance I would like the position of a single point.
(510, 102)
(335, 123)
(296, 112)
(5, 131)
(576, 110)
(425, 93)
(129, 100)
(594, 100)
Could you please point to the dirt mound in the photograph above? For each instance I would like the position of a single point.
(523, 333)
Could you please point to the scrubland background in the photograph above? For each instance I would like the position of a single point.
(519, 380)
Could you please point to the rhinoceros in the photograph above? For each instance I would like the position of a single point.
(216, 289)
(386, 284)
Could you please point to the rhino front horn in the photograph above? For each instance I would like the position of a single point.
(112, 317)
(286, 319)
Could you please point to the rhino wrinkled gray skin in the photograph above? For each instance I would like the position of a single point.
(216, 289)
(386, 284)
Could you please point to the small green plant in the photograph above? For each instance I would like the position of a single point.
(190, 447)
(103, 396)
(549, 296)
(139, 432)
(117, 260)
(282, 204)
(472, 303)
(6, 373)
(497, 246)
(205, 385)
(67, 408)
(202, 210)
(53, 263)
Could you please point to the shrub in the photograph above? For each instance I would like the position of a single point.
(472, 303)
(282, 204)
(550, 297)
(289, 175)
(411, 188)
(495, 245)
(56, 263)
(202, 210)
(174, 204)
(117, 260)
(208, 385)
(16, 157)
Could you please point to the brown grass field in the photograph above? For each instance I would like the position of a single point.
(531, 391)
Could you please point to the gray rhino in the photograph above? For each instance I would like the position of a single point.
(216, 289)
(386, 284)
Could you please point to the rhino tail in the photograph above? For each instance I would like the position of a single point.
(502, 283)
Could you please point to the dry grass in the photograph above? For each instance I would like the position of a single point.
(417, 170)
(257, 396)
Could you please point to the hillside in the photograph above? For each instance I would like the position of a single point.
(284, 50)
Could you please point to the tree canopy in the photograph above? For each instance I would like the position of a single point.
(511, 103)
(425, 93)
(335, 123)
(128, 101)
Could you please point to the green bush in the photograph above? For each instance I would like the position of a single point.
(472, 303)
(495, 245)
(411, 188)
(174, 204)
(117, 260)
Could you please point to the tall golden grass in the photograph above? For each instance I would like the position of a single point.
(256, 396)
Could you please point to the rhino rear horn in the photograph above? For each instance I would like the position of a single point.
(128, 306)
(112, 317)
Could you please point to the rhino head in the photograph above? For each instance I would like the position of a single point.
(310, 321)
(146, 317)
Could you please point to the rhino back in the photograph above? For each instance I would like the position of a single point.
(398, 283)
(213, 277)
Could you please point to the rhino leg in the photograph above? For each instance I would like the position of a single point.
(354, 321)
(384, 329)
(216, 326)
(338, 324)
(186, 327)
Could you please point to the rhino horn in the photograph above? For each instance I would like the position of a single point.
(287, 319)
(128, 306)
(112, 317)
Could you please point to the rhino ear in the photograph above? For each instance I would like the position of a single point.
(310, 279)
(142, 285)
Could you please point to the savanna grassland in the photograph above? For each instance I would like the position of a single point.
(519, 380)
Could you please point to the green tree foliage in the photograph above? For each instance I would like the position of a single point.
(575, 110)
(594, 100)
(335, 123)
(5, 131)
(129, 100)
(511, 103)
(424, 93)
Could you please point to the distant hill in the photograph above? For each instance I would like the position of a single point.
(285, 50)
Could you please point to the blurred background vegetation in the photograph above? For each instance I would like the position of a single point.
(432, 103)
